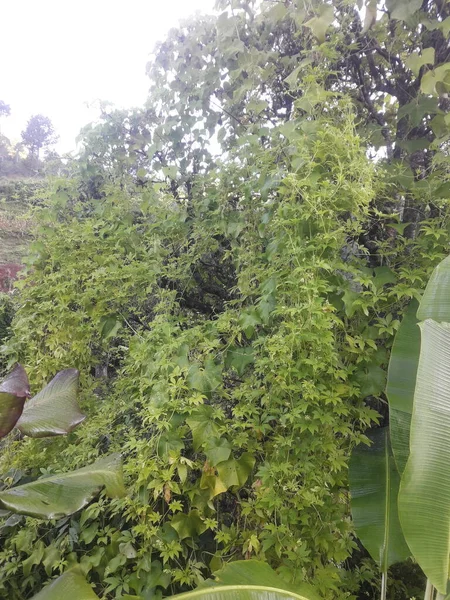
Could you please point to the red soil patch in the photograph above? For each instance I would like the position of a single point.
(8, 274)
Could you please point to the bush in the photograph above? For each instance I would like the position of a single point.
(244, 344)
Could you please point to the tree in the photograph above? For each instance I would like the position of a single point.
(5, 109)
(38, 134)
(268, 63)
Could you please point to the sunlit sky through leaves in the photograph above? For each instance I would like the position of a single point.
(59, 57)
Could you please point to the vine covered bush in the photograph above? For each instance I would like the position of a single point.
(231, 317)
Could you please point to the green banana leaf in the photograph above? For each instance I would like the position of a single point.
(374, 484)
(63, 494)
(13, 391)
(256, 572)
(401, 383)
(241, 592)
(435, 303)
(424, 498)
(71, 585)
(54, 411)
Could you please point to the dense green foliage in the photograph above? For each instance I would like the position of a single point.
(6, 316)
(232, 317)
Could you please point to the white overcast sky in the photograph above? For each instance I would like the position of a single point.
(58, 56)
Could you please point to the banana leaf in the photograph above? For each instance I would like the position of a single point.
(240, 592)
(71, 585)
(401, 383)
(63, 494)
(13, 391)
(374, 484)
(424, 498)
(54, 411)
(256, 572)
(435, 303)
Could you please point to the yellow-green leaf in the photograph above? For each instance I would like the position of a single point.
(319, 24)
(415, 61)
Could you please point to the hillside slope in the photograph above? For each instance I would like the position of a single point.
(15, 202)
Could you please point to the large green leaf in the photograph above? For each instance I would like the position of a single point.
(401, 383)
(424, 498)
(63, 494)
(202, 423)
(69, 586)
(319, 24)
(188, 525)
(241, 592)
(435, 303)
(371, 380)
(403, 9)
(256, 572)
(55, 410)
(13, 391)
(374, 484)
(236, 471)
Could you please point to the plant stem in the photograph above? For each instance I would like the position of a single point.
(383, 585)
(440, 596)
(429, 591)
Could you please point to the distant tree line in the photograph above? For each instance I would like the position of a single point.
(25, 157)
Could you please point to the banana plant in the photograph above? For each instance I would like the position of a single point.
(70, 584)
(418, 390)
(14, 390)
(63, 494)
(401, 383)
(374, 485)
(53, 411)
(374, 471)
(424, 499)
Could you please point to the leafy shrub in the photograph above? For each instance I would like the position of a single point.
(240, 342)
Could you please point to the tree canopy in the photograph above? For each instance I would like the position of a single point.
(5, 109)
(39, 133)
